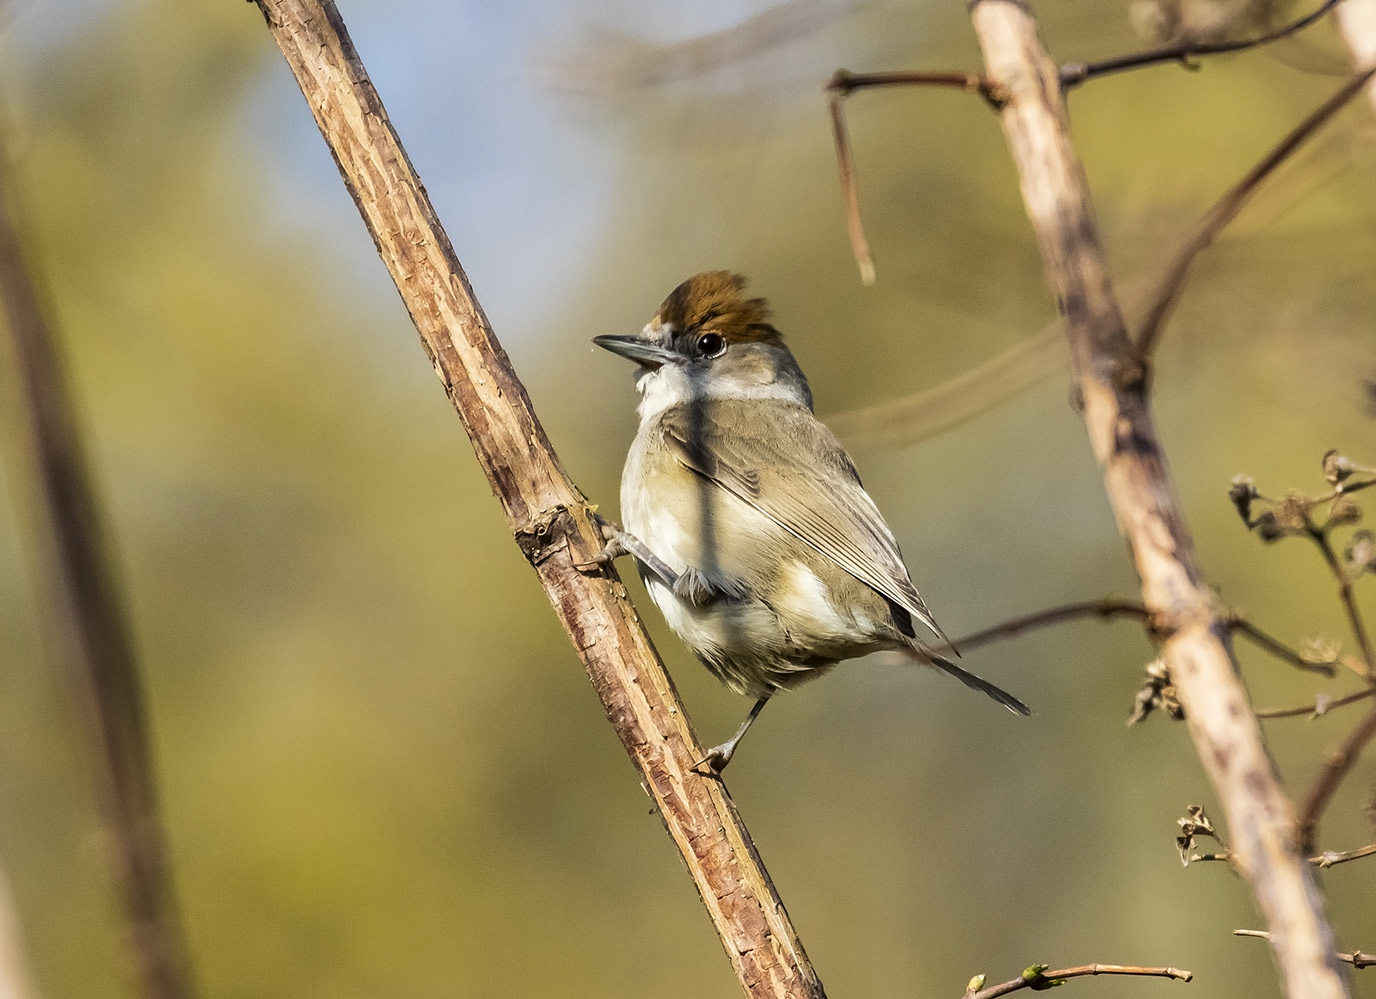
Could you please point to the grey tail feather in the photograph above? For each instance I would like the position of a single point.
(976, 683)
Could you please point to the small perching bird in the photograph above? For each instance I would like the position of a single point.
(752, 531)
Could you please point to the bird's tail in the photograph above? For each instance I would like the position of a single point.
(969, 679)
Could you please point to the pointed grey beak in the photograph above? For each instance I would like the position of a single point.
(639, 349)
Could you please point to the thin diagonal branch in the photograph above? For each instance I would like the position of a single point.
(1075, 73)
(1241, 626)
(550, 520)
(1326, 785)
(1321, 706)
(1038, 977)
(1111, 607)
(1108, 607)
(1346, 596)
(86, 612)
(1122, 431)
(1226, 209)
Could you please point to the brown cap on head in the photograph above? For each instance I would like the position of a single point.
(715, 300)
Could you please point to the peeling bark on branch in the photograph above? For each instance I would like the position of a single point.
(1113, 387)
(549, 517)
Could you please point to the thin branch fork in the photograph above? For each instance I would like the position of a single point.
(1123, 434)
(1038, 977)
(550, 519)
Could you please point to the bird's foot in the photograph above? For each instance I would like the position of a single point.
(716, 760)
(620, 543)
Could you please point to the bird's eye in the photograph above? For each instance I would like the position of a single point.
(711, 345)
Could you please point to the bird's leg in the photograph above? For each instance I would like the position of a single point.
(718, 757)
(621, 542)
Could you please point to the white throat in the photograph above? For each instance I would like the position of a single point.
(671, 385)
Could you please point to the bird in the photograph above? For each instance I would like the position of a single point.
(752, 531)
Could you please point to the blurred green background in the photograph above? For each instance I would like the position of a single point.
(383, 770)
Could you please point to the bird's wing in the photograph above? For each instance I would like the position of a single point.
(834, 516)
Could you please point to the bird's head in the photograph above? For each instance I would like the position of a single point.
(709, 341)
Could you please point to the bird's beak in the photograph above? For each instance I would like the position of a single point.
(643, 351)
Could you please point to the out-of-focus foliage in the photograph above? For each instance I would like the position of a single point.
(383, 771)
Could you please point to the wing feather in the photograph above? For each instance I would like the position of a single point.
(834, 517)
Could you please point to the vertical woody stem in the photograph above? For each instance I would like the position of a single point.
(1117, 413)
(548, 516)
(86, 611)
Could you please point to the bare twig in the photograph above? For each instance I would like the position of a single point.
(1323, 860)
(1320, 537)
(1226, 209)
(841, 85)
(850, 192)
(617, 62)
(1356, 958)
(1122, 430)
(1329, 857)
(550, 519)
(1038, 977)
(86, 614)
(1335, 769)
(1321, 706)
(1074, 73)
(1108, 607)
(923, 415)
(1241, 626)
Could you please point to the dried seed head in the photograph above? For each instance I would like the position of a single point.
(1345, 511)
(1320, 649)
(1336, 467)
(1361, 553)
(1195, 822)
(1292, 513)
(1267, 526)
(1157, 691)
(1242, 493)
